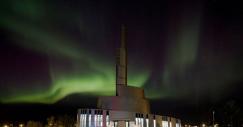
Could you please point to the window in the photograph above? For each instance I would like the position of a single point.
(147, 122)
(142, 122)
(165, 124)
(107, 120)
(127, 124)
(154, 123)
(136, 121)
(89, 120)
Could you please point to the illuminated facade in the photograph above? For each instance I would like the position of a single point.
(129, 108)
(112, 118)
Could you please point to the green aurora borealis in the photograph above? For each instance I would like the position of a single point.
(79, 43)
(86, 73)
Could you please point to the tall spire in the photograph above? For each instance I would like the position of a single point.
(121, 62)
(123, 36)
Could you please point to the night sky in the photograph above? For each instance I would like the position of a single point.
(60, 54)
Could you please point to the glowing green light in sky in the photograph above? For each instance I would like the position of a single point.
(182, 54)
(90, 84)
(80, 63)
(84, 74)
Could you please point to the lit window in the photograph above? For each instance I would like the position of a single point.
(81, 120)
(101, 120)
(136, 120)
(154, 123)
(107, 120)
(89, 120)
(84, 120)
(98, 120)
(147, 123)
(165, 124)
(95, 120)
(142, 121)
(126, 123)
(112, 124)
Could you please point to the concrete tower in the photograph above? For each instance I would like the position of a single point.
(121, 61)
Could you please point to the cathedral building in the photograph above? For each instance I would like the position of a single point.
(128, 108)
